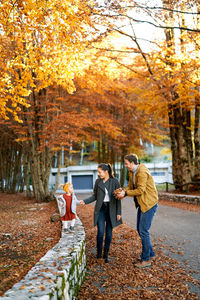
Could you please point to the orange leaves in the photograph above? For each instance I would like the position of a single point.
(45, 54)
(26, 243)
(120, 279)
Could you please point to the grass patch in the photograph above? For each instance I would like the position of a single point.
(163, 187)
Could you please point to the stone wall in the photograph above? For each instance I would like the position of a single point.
(59, 274)
(179, 198)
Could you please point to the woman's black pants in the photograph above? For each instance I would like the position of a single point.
(104, 226)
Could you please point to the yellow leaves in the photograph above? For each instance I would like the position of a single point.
(43, 43)
(21, 139)
(165, 152)
(16, 118)
(71, 89)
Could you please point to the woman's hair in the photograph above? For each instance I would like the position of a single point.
(132, 158)
(106, 167)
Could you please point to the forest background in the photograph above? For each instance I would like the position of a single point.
(75, 72)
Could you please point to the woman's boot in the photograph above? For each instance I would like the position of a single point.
(105, 255)
(99, 253)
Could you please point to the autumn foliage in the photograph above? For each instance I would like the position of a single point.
(77, 72)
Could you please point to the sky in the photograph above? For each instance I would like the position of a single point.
(146, 32)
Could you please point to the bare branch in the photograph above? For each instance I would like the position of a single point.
(140, 50)
(115, 50)
(148, 22)
(125, 66)
(163, 8)
(151, 8)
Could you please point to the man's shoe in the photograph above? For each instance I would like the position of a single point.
(107, 260)
(71, 228)
(137, 261)
(65, 230)
(143, 264)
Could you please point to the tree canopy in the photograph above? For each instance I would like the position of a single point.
(74, 71)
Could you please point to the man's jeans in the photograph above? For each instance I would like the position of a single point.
(144, 221)
(104, 221)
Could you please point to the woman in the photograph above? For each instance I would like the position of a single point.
(107, 212)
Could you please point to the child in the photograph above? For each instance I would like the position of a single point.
(67, 206)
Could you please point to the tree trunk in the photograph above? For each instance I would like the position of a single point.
(10, 163)
(122, 168)
(17, 169)
(99, 151)
(39, 155)
(46, 166)
(197, 113)
(37, 179)
(1, 168)
(197, 138)
(103, 150)
(59, 160)
(181, 159)
(174, 149)
(113, 162)
(179, 122)
(27, 172)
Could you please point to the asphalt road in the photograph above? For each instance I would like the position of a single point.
(177, 231)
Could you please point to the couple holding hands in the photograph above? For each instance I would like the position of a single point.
(107, 213)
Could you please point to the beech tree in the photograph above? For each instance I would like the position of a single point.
(67, 77)
(117, 101)
(171, 68)
(41, 48)
(11, 153)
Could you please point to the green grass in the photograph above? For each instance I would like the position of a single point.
(162, 187)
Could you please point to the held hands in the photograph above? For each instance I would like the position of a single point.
(119, 194)
(82, 202)
(118, 217)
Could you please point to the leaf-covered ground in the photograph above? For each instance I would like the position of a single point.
(120, 279)
(27, 234)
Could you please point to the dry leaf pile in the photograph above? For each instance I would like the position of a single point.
(26, 234)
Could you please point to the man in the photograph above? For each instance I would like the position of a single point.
(141, 186)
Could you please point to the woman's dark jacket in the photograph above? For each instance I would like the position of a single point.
(98, 196)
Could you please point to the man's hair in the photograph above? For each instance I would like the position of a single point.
(132, 158)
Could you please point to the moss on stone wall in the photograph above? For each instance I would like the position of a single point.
(69, 259)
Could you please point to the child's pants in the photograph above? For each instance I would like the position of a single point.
(71, 223)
